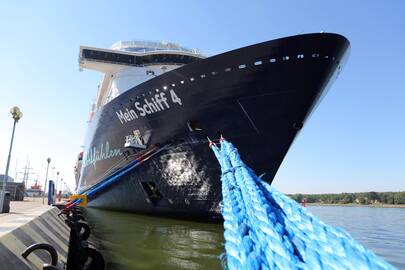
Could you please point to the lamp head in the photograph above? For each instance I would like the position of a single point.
(48, 160)
(16, 113)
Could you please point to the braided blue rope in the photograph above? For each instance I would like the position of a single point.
(264, 229)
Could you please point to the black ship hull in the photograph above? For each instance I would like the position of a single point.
(258, 97)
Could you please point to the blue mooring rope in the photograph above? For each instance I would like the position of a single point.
(264, 229)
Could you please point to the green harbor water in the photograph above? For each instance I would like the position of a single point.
(131, 241)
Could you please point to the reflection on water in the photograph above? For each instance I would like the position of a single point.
(131, 241)
(381, 230)
(144, 242)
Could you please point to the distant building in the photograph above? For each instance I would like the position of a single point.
(9, 179)
(31, 192)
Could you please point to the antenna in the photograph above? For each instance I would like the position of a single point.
(26, 172)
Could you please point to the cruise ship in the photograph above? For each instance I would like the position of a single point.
(158, 103)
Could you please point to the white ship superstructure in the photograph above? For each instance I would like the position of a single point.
(130, 63)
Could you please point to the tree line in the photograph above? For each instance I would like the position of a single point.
(360, 198)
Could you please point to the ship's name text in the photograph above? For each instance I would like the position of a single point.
(159, 102)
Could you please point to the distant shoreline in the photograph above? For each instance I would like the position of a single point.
(358, 205)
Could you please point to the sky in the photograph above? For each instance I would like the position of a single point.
(354, 141)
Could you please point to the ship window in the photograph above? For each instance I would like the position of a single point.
(181, 82)
(194, 126)
(242, 66)
(258, 63)
(202, 75)
(285, 58)
(150, 72)
(214, 73)
(227, 69)
(272, 60)
(300, 56)
(152, 191)
(315, 55)
(191, 79)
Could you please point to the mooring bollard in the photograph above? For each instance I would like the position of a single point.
(80, 254)
(42, 246)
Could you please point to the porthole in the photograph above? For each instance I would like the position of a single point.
(285, 58)
(257, 63)
(242, 66)
(300, 56)
(298, 125)
(191, 79)
(227, 69)
(272, 60)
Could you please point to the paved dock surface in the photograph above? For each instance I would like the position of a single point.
(21, 212)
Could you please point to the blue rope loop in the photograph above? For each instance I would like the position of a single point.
(265, 229)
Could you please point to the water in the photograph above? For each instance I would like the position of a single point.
(130, 241)
(381, 230)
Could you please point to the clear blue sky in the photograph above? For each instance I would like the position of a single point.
(355, 140)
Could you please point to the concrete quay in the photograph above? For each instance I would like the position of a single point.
(22, 212)
(30, 222)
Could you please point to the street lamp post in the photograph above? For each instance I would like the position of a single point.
(16, 114)
(56, 187)
(46, 179)
(53, 173)
(60, 190)
(56, 183)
